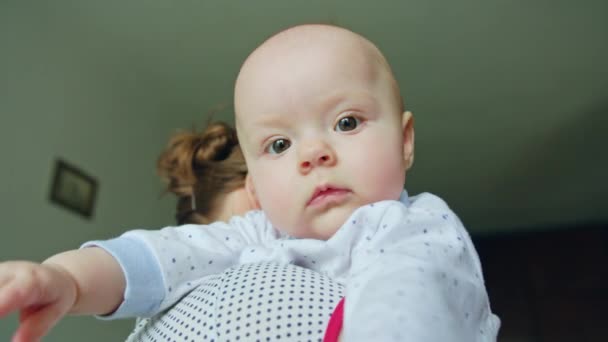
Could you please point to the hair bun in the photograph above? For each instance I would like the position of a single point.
(215, 143)
(188, 153)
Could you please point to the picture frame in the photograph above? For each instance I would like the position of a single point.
(73, 189)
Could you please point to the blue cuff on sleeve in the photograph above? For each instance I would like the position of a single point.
(145, 288)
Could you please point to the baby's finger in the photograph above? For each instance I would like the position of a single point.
(34, 324)
(12, 297)
(5, 275)
(19, 293)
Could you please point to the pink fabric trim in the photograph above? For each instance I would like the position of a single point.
(334, 326)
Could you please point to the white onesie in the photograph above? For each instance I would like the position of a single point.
(409, 268)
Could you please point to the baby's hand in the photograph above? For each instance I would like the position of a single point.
(42, 293)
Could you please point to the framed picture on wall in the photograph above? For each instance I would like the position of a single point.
(73, 189)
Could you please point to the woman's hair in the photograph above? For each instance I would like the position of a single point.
(200, 168)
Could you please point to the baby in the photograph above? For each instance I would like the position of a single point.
(327, 143)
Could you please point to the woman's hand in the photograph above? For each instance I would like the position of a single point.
(42, 293)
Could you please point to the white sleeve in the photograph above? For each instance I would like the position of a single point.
(161, 266)
(415, 276)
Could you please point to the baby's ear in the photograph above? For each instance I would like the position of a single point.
(407, 125)
(251, 196)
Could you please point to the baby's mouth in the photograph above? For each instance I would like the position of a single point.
(326, 193)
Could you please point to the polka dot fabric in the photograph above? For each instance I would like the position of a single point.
(251, 302)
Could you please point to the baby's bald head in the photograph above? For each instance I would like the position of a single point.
(280, 57)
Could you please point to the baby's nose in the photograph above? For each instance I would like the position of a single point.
(316, 154)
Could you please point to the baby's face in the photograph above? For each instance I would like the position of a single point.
(322, 133)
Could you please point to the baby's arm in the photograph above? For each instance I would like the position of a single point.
(85, 281)
(161, 266)
(416, 277)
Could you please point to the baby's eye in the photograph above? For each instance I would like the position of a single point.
(278, 146)
(347, 123)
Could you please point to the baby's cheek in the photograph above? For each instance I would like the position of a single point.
(276, 203)
(385, 176)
